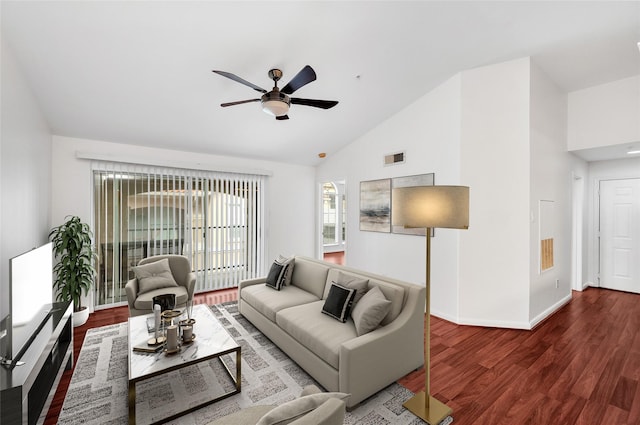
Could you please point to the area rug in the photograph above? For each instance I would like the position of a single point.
(98, 389)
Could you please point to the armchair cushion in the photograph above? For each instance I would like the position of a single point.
(155, 275)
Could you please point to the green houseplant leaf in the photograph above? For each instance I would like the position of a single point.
(73, 249)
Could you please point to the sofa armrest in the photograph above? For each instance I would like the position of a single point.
(131, 288)
(246, 283)
(249, 282)
(331, 412)
(392, 351)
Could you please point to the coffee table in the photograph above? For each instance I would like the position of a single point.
(211, 341)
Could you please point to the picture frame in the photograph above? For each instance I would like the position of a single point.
(375, 205)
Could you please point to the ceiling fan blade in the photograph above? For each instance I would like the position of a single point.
(240, 80)
(324, 104)
(239, 102)
(282, 117)
(302, 78)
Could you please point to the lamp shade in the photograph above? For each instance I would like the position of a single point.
(430, 206)
(276, 108)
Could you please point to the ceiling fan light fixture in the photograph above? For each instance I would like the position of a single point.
(275, 103)
(276, 108)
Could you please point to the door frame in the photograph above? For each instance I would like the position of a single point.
(320, 215)
(597, 222)
(577, 240)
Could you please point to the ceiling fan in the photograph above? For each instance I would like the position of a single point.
(277, 101)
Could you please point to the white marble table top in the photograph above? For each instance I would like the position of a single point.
(211, 339)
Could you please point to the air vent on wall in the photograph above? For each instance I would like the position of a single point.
(394, 158)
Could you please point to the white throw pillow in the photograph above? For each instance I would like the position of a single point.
(154, 275)
(294, 409)
(289, 263)
(370, 311)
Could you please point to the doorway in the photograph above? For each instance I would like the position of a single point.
(620, 234)
(333, 208)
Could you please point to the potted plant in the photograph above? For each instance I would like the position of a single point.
(75, 271)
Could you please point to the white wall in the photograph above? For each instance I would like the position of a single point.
(290, 200)
(551, 180)
(25, 171)
(603, 170)
(605, 115)
(428, 131)
(501, 130)
(495, 252)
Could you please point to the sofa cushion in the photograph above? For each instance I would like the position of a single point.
(310, 276)
(318, 332)
(348, 280)
(339, 302)
(370, 311)
(269, 302)
(155, 275)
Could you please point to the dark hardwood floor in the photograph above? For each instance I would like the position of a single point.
(580, 366)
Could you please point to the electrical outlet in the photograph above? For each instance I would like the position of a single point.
(557, 283)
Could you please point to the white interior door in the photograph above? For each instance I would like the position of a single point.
(620, 234)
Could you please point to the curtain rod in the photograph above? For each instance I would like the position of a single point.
(172, 164)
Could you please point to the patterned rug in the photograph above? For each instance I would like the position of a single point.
(98, 390)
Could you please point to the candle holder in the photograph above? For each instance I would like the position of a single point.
(171, 331)
(186, 330)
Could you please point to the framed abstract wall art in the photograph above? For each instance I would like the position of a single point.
(375, 205)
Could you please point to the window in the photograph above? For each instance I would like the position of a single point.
(215, 219)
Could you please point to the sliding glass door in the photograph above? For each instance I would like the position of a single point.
(215, 219)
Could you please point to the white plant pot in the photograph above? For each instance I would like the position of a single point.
(80, 317)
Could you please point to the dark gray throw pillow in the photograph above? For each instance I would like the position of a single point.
(274, 278)
(338, 303)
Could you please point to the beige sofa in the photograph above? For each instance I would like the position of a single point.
(332, 352)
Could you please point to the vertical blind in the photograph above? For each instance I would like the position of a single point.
(214, 219)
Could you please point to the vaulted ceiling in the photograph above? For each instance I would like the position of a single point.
(139, 72)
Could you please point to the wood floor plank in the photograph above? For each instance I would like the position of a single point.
(624, 393)
(634, 409)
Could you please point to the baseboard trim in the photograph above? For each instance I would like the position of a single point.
(468, 321)
(548, 312)
(493, 323)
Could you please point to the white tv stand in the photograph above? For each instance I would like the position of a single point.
(24, 389)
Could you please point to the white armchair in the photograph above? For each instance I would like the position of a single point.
(156, 279)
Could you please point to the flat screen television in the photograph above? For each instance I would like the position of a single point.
(31, 292)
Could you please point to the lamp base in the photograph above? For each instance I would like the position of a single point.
(433, 415)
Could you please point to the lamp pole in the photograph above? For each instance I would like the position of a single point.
(430, 409)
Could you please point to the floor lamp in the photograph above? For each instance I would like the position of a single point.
(429, 207)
